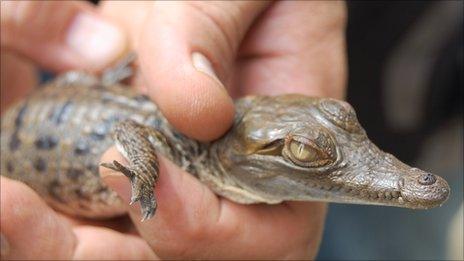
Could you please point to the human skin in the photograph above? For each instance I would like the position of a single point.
(240, 48)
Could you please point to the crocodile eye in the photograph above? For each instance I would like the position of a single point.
(308, 153)
(302, 152)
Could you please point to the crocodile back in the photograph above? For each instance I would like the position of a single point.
(53, 141)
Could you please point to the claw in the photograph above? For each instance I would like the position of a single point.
(127, 172)
(109, 165)
(116, 166)
(140, 191)
(135, 197)
(148, 204)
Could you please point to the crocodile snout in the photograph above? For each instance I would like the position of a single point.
(424, 190)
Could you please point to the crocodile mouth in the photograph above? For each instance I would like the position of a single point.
(344, 194)
(399, 197)
(386, 197)
(396, 184)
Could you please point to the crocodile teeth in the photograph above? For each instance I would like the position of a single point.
(363, 194)
(401, 200)
(388, 195)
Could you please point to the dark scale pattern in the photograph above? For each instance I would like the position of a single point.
(19, 118)
(59, 115)
(15, 142)
(81, 194)
(40, 165)
(54, 188)
(81, 147)
(9, 166)
(142, 98)
(74, 173)
(46, 142)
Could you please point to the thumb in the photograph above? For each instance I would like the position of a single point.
(186, 54)
(60, 35)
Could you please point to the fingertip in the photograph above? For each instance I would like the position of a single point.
(95, 41)
(194, 101)
(203, 111)
(181, 78)
(94, 243)
(65, 35)
(31, 228)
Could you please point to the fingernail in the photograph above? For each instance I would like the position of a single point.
(96, 41)
(4, 246)
(202, 64)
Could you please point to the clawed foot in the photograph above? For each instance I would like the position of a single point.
(141, 189)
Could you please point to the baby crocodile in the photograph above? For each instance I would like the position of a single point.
(288, 147)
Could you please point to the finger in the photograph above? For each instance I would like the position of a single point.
(18, 77)
(30, 229)
(60, 35)
(272, 231)
(186, 54)
(185, 215)
(128, 15)
(98, 243)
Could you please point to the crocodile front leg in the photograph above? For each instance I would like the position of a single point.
(135, 142)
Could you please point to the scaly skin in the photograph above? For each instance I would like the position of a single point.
(289, 147)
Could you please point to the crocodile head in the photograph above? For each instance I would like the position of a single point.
(293, 147)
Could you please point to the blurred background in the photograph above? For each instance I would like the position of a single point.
(406, 83)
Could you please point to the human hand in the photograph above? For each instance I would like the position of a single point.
(244, 48)
(49, 34)
(55, 36)
(191, 221)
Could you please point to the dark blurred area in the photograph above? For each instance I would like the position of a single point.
(379, 31)
(405, 81)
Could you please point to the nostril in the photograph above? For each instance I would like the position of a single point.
(427, 179)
